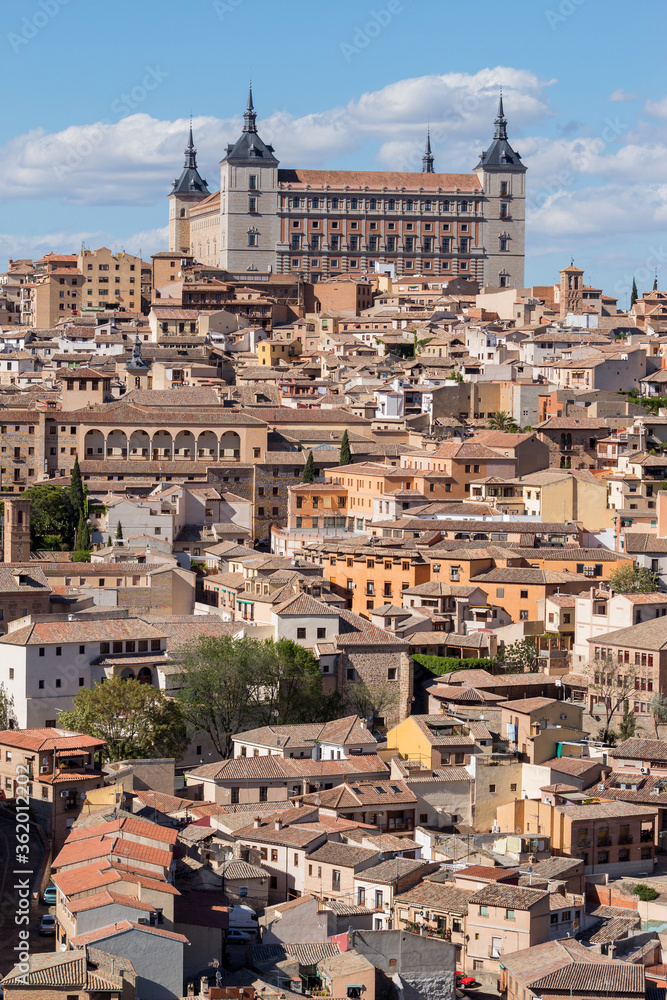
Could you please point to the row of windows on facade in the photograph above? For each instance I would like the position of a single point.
(429, 244)
(105, 267)
(624, 656)
(129, 646)
(408, 227)
(296, 264)
(370, 563)
(389, 204)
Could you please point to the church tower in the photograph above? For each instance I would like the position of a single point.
(503, 178)
(188, 190)
(571, 290)
(249, 222)
(17, 530)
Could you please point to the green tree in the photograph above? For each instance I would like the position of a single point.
(613, 683)
(645, 892)
(634, 295)
(7, 714)
(119, 530)
(109, 543)
(51, 513)
(136, 720)
(345, 457)
(659, 712)
(628, 724)
(371, 701)
(83, 534)
(76, 491)
(501, 421)
(230, 684)
(520, 657)
(633, 580)
(309, 469)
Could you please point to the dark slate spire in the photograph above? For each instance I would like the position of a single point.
(190, 152)
(249, 147)
(500, 155)
(190, 181)
(501, 121)
(427, 158)
(249, 116)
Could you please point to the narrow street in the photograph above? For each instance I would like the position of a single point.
(8, 899)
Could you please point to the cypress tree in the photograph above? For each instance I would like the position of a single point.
(634, 294)
(83, 534)
(309, 469)
(119, 530)
(76, 490)
(345, 453)
(109, 541)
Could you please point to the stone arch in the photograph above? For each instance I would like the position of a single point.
(145, 675)
(184, 445)
(116, 444)
(94, 444)
(140, 444)
(127, 674)
(162, 444)
(230, 445)
(207, 445)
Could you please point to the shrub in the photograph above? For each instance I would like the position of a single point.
(645, 892)
(448, 664)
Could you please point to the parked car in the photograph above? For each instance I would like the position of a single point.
(47, 924)
(465, 982)
(50, 895)
(237, 936)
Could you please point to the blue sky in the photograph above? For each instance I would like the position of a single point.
(97, 96)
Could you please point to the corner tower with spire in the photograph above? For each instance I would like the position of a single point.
(503, 178)
(249, 221)
(188, 190)
(428, 159)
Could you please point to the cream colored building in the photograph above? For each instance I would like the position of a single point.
(110, 280)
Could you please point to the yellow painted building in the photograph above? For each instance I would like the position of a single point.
(270, 352)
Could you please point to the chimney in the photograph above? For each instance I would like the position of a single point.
(256, 822)
(362, 723)
(278, 824)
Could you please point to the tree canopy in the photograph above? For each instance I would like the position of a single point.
(633, 580)
(521, 657)
(136, 720)
(51, 514)
(228, 685)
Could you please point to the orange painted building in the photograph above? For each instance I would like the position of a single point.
(369, 576)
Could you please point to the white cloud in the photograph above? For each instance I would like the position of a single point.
(622, 95)
(133, 161)
(657, 109)
(18, 245)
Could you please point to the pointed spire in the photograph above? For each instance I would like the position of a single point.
(249, 116)
(655, 281)
(190, 151)
(427, 158)
(501, 121)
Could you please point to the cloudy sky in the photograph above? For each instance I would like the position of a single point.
(97, 99)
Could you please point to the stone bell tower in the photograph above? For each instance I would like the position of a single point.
(17, 530)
